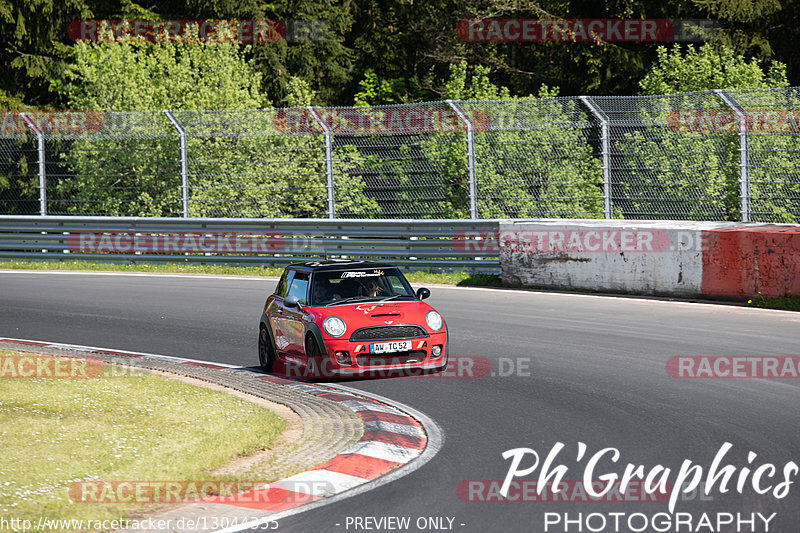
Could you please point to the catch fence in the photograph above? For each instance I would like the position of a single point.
(715, 155)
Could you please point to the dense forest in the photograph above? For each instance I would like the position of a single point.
(369, 52)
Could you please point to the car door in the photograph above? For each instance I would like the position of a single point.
(295, 318)
(277, 313)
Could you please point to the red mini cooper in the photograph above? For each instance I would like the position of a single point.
(349, 318)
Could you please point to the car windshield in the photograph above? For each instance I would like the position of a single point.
(343, 286)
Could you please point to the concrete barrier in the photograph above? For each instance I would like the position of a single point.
(707, 259)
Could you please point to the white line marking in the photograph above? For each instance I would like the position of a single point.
(364, 406)
(383, 450)
(391, 427)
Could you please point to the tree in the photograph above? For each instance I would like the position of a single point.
(532, 159)
(692, 172)
(708, 67)
(131, 166)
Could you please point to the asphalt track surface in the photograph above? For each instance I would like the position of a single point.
(596, 374)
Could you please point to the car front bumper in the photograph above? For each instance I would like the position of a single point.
(347, 358)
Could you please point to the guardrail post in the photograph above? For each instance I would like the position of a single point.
(40, 148)
(744, 149)
(184, 162)
(328, 160)
(473, 186)
(605, 151)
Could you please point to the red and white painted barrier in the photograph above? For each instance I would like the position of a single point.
(709, 259)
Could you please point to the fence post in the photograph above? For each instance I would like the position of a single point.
(473, 186)
(605, 151)
(744, 149)
(328, 160)
(184, 162)
(40, 148)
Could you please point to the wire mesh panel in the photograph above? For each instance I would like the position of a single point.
(404, 161)
(253, 164)
(534, 159)
(19, 169)
(668, 160)
(773, 153)
(120, 164)
(714, 155)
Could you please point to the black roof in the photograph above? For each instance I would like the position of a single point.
(339, 264)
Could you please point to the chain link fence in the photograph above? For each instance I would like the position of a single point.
(716, 155)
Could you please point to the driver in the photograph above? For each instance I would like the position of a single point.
(323, 291)
(372, 288)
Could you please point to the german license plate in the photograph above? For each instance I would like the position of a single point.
(389, 347)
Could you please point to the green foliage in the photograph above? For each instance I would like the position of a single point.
(374, 91)
(673, 175)
(531, 157)
(740, 10)
(300, 93)
(535, 162)
(709, 67)
(694, 173)
(131, 167)
(255, 170)
(152, 76)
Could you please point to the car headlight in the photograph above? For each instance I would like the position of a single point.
(334, 326)
(434, 320)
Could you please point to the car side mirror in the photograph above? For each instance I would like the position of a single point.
(423, 293)
(291, 301)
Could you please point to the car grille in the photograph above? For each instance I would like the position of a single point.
(399, 358)
(378, 333)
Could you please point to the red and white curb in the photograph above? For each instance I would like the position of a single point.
(397, 440)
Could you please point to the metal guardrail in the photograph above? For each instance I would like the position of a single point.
(410, 244)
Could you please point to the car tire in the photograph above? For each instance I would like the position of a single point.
(266, 351)
(312, 348)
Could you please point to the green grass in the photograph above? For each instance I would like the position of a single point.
(416, 277)
(786, 303)
(141, 267)
(139, 426)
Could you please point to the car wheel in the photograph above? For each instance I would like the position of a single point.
(266, 351)
(312, 349)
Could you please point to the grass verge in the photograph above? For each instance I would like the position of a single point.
(786, 303)
(447, 278)
(124, 426)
